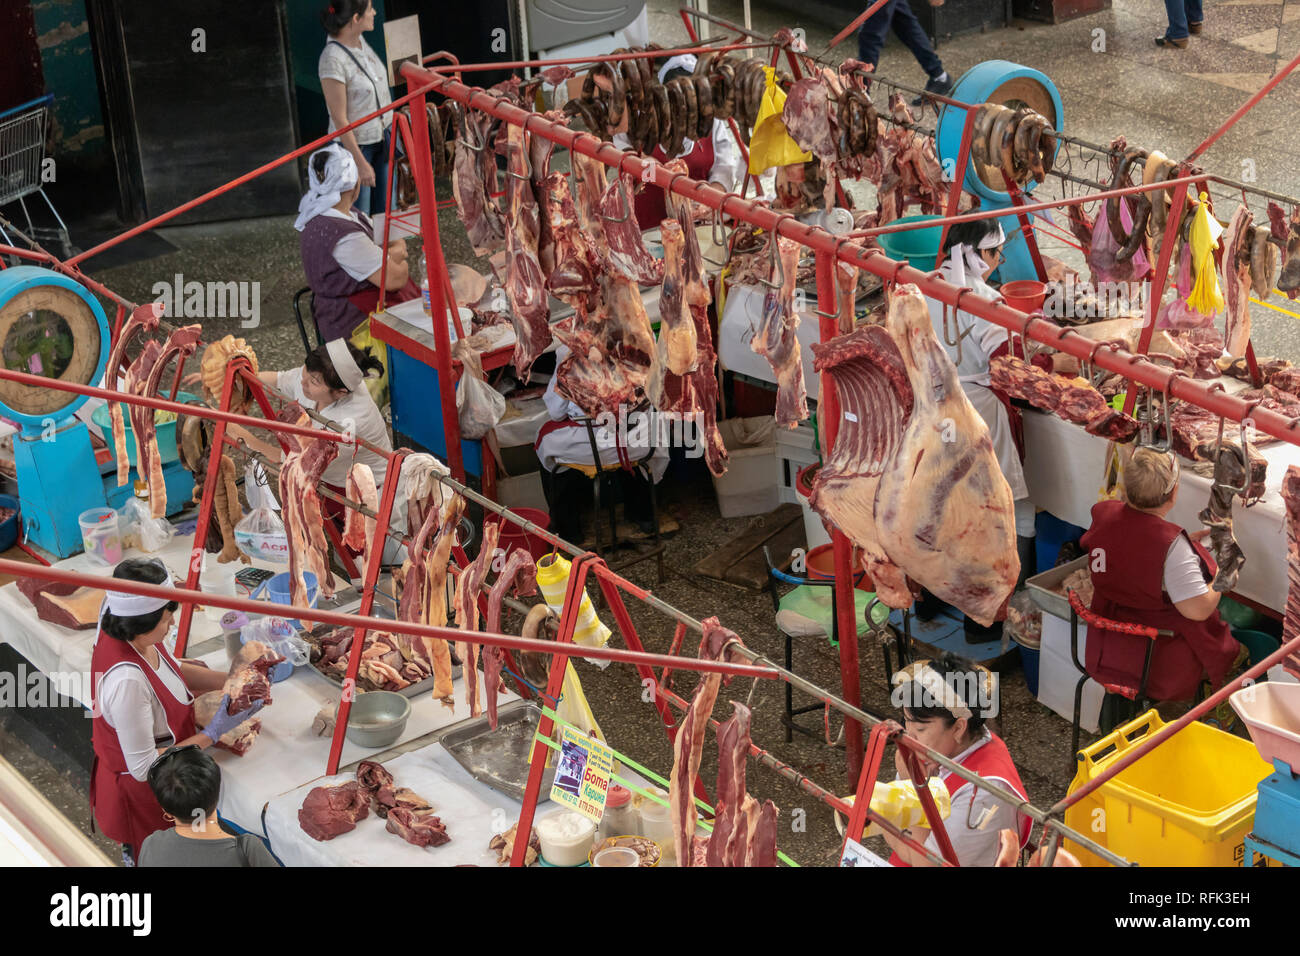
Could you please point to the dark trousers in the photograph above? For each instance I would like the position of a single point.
(371, 200)
(568, 492)
(898, 14)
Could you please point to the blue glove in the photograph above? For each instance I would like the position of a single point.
(222, 723)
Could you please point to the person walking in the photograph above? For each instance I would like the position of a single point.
(898, 15)
(1185, 17)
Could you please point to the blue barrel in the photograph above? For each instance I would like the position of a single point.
(1012, 85)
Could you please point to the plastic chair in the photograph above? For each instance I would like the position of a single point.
(793, 624)
(302, 326)
(642, 466)
(1114, 682)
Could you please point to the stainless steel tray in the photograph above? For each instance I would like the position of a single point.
(1042, 588)
(499, 758)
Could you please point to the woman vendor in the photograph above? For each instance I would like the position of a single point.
(1148, 570)
(332, 381)
(943, 708)
(342, 262)
(971, 251)
(716, 160)
(142, 703)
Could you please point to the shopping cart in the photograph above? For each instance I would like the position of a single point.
(22, 154)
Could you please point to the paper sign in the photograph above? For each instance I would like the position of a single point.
(855, 854)
(402, 43)
(582, 774)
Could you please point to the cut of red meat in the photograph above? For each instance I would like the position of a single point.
(424, 595)
(1234, 268)
(328, 812)
(776, 339)
(624, 243)
(143, 319)
(359, 529)
(677, 343)
(468, 587)
(525, 283)
(572, 278)
(519, 575)
(300, 475)
(1073, 399)
(417, 827)
(473, 178)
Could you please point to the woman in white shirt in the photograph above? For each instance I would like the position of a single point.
(355, 83)
(142, 702)
(332, 381)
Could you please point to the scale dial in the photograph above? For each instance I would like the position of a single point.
(50, 326)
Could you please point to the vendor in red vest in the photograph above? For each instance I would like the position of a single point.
(944, 705)
(715, 160)
(340, 257)
(1146, 570)
(142, 702)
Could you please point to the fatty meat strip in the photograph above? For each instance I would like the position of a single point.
(468, 586)
(144, 319)
(359, 529)
(424, 591)
(519, 575)
(776, 340)
(300, 475)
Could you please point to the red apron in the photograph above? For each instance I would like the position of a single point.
(1129, 586)
(992, 761)
(649, 203)
(125, 808)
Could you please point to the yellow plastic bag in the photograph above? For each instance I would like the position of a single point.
(1206, 296)
(362, 339)
(553, 579)
(898, 803)
(771, 145)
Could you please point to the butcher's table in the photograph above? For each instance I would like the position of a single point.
(286, 755)
(1063, 469)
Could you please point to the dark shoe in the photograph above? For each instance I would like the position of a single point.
(941, 87)
(927, 606)
(1170, 41)
(978, 634)
(1195, 28)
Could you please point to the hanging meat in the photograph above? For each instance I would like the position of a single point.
(359, 529)
(520, 576)
(424, 592)
(300, 474)
(525, 284)
(474, 178)
(1075, 400)
(143, 378)
(677, 342)
(624, 245)
(1287, 233)
(143, 320)
(468, 586)
(744, 834)
(212, 368)
(688, 745)
(1234, 269)
(193, 445)
(1229, 474)
(912, 479)
(776, 340)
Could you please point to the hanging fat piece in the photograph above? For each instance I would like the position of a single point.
(912, 479)
(1234, 267)
(776, 337)
(525, 283)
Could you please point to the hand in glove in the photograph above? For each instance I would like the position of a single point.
(223, 723)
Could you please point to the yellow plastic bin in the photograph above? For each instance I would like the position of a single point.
(1187, 803)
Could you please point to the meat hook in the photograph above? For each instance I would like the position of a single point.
(953, 340)
(724, 243)
(1244, 451)
(1146, 435)
(778, 267)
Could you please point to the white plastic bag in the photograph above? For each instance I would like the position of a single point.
(260, 534)
(141, 529)
(479, 406)
(279, 635)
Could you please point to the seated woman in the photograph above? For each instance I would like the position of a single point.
(341, 259)
(1148, 570)
(564, 441)
(943, 707)
(331, 382)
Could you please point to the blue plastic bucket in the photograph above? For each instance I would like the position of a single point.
(284, 670)
(919, 247)
(277, 590)
(1029, 661)
(1259, 644)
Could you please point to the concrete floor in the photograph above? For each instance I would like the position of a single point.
(1165, 99)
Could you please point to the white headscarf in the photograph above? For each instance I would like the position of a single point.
(345, 366)
(121, 604)
(325, 192)
(685, 61)
(964, 260)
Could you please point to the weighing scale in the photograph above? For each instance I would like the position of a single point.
(51, 325)
(1014, 86)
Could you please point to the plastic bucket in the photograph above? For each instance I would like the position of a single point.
(165, 431)
(919, 247)
(1271, 711)
(1029, 661)
(1259, 644)
(277, 590)
(513, 536)
(813, 528)
(1027, 295)
(9, 527)
(100, 536)
(821, 567)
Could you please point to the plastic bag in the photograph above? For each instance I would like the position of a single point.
(260, 534)
(140, 529)
(479, 406)
(1025, 620)
(771, 143)
(279, 635)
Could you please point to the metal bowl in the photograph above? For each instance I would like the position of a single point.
(378, 718)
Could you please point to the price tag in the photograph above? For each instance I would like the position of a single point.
(582, 775)
(849, 416)
(855, 854)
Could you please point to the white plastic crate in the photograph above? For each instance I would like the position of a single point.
(794, 450)
(748, 487)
